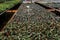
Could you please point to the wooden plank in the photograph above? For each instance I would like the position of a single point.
(11, 11)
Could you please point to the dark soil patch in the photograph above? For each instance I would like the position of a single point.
(56, 12)
(6, 16)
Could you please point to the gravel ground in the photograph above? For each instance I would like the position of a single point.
(37, 24)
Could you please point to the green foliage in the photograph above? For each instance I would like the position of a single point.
(1, 1)
(8, 4)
